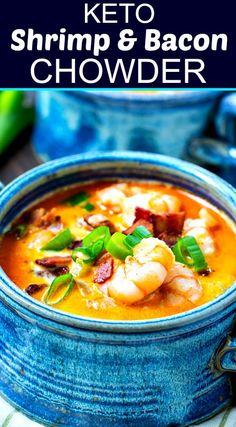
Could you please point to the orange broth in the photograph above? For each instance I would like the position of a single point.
(17, 258)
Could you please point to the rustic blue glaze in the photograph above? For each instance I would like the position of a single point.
(69, 371)
(78, 122)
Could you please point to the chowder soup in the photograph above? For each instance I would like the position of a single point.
(123, 250)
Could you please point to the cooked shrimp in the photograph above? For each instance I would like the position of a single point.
(111, 198)
(199, 228)
(180, 284)
(122, 289)
(156, 250)
(165, 203)
(142, 273)
(208, 218)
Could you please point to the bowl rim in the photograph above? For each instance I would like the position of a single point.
(16, 295)
(167, 97)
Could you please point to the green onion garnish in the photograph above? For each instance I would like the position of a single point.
(135, 238)
(20, 230)
(116, 246)
(92, 245)
(89, 207)
(80, 254)
(76, 199)
(96, 248)
(62, 285)
(59, 242)
(87, 255)
(188, 252)
(100, 233)
(142, 232)
(131, 241)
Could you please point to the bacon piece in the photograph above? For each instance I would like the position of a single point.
(33, 288)
(37, 217)
(53, 261)
(58, 271)
(40, 217)
(141, 222)
(166, 226)
(86, 224)
(169, 238)
(168, 223)
(205, 272)
(104, 270)
(75, 244)
(141, 213)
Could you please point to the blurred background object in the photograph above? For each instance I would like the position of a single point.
(199, 126)
(93, 120)
(16, 113)
(219, 154)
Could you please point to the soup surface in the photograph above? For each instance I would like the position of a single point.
(123, 250)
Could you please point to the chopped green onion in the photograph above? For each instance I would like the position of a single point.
(97, 248)
(135, 238)
(66, 281)
(131, 241)
(90, 253)
(89, 207)
(188, 252)
(142, 232)
(59, 242)
(116, 246)
(77, 254)
(84, 261)
(93, 245)
(76, 199)
(20, 230)
(83, 256)
(100, 233)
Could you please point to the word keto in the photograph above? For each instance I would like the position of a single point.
(108, 10)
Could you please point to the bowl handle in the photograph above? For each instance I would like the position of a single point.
(226, 357)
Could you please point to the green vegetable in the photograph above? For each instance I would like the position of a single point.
(59, 242)
(76, 199)
(131, 241)
(135, 238)
(96, 248)
(20, 230)
(100, 233)
(87, 255)
(142, 232)
(188, 252)
(89, 207)
(80, 254)
(93, 245)
(62, 283)
(116, 246)
(16, 113)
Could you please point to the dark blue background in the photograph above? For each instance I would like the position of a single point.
(183, 16)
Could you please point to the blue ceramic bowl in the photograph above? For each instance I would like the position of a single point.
(71, 371)
(88, 121)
